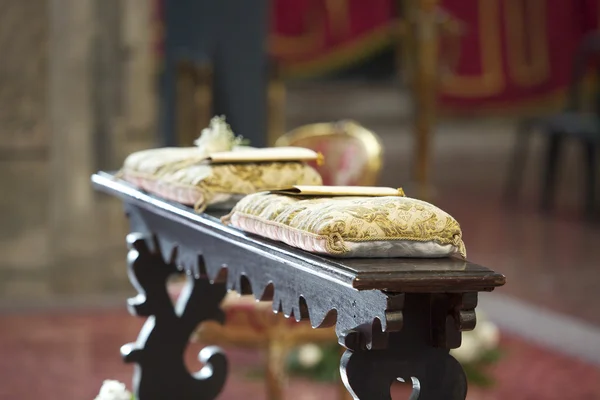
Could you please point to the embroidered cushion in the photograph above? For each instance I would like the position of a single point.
(351, 226)
(188, 176)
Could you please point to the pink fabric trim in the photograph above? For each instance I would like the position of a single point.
(294, 238)
(180, 194)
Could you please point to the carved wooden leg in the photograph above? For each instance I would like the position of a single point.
(160, 371)
(276, 375)
(343, 393)
(434, 373)
(418, 353)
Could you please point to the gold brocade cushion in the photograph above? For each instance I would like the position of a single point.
(351, 226)
(189, 176)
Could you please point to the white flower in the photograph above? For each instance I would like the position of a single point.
(309, 355)
(217, 137)
(489, 335)
(113, 390)
(485, 337)
(469, 350)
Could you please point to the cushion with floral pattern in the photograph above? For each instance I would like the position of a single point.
(351, 226)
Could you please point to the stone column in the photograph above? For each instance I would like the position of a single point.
(140, 75)
(100, 104)
(23, 148)
(71, 120)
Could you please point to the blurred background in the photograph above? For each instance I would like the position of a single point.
(487, 108)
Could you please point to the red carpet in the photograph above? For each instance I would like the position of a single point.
(67, 356)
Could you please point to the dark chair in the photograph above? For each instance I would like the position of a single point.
(574, 123)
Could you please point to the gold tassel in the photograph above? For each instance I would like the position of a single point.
(200, 205)
(119, 175)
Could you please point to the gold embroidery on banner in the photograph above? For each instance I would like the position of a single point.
(360, 219)
(491, 80)
(336, 13)
(311, 40)
(527, 42)
(339, 17)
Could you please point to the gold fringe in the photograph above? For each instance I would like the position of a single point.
(335, 244)
(200, 205)
(119, 175)
(226, 219)
(460, 245)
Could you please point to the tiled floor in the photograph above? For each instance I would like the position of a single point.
(68, 355)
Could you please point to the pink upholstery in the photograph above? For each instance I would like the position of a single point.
(345, 158)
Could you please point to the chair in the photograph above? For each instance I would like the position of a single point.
(573, 123)
(353, 154)
(352, 157)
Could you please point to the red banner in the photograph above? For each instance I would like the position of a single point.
(514, 50)
(310, 36)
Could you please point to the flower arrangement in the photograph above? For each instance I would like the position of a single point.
(114, 390)
(218, 136)
(479, 349)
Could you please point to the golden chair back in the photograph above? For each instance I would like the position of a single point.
(353, 154)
